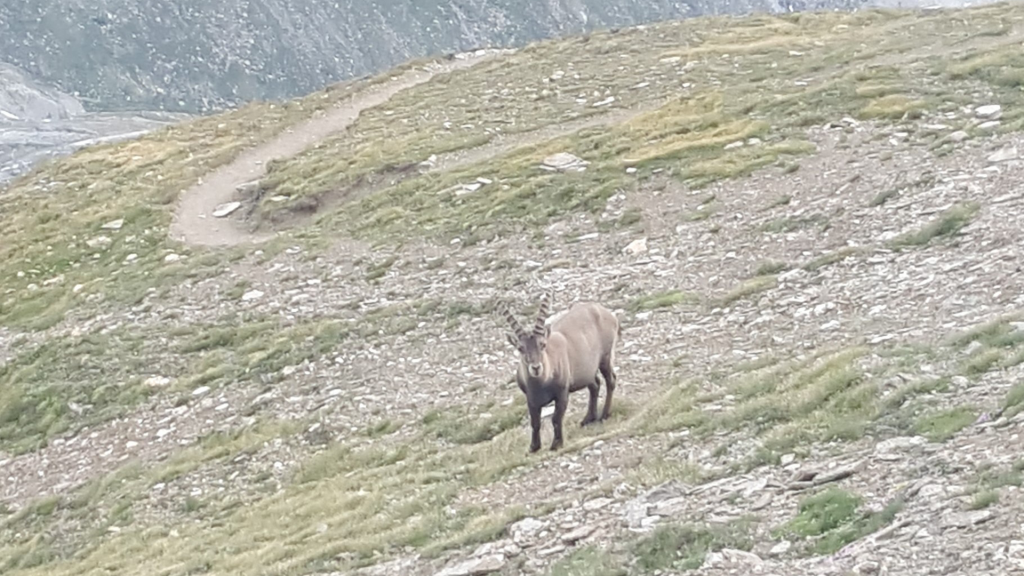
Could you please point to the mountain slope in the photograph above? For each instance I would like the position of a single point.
(807, 225)
(193, 56)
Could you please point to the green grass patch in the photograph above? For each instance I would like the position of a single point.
(983, 499)
(832, 518)
(943, 425)
(792, 224)
(830, 258)
(588, 561)
(666, 299)
(684, 546)
(748, 288)
(947, 224)
(1013, 404)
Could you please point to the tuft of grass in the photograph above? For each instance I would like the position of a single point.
(660, 300)
(832, 518)
(982, 361)
(943, 425)
(1013, 404)
(588, 561)
(895, 107)
(947, 224)
(748, 288)
(830, 258)
(473, 426)
(790, 224)
(684, 546)
(998, 333)
(883, 197)
(770, 268)
(983, 499)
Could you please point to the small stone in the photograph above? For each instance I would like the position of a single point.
(157, 381)
(868, 567)
(958, 136)
(781, 548)
(990, 125)
(965, 519)
(476, 566)
(787, 459)
(741, 557)
(988, 111)
(578, 534)
(1004, 155)
(638, 246)
(248, 187)
(201, 390)
(251, 295)
(735, 144)
(526, 527)
(563, 161)
(225, 209)
(171, 258)
(631, 170)
(113, 224)
(596, 504)
(551, 551)
(98, 242)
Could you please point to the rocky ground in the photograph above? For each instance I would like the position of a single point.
(873, 296)
(804, 386)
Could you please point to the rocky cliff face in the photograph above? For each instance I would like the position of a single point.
(194, 55)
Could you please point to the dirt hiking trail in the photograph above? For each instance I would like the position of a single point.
(194, 222)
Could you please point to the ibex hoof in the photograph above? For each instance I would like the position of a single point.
(534, 448)
(555, 446)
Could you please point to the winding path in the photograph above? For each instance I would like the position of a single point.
(194, 222)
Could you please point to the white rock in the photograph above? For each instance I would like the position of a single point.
(476, 566)
(113, 224)
(578, 534)
(225, 209)
(563, 161)
(252, 295)
(157, 381)
(201, 390)
(596, 504)
(172, 258)
(958, 136)
(781, 548)
(638, 246)
(1004, 155)
(98, 242)
(988, 111)
(526, 527)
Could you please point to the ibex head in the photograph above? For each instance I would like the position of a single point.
(531, 345)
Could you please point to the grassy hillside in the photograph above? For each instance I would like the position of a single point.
(823, 341)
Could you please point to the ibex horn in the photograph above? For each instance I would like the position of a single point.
(512, 320)
(542, 314)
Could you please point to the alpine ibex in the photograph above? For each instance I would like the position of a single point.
(563, 357)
